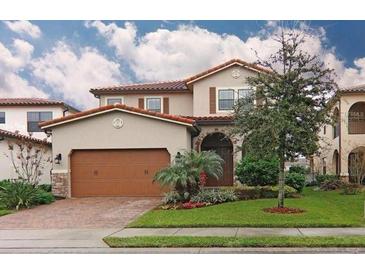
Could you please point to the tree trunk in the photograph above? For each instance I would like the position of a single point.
(281, 192)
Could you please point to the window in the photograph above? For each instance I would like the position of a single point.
(33, 118)
(324, 130)
(336, 127)
(225, 99)
(153, 104)
(113, 101)
(2, 117)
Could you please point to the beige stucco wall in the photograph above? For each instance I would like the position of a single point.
(179, 103)
(98, 133)
(221, 79)
(6, 167)
(348, 141)
(328, 145)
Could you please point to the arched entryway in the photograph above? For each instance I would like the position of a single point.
(336, 162)
(356, 165)
(222, 145)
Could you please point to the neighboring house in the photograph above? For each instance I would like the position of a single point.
(116, 149)
(19, 118)
(7, 170)
(346, 137)
(24, 114)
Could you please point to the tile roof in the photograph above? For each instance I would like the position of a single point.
(201, 120)
(355, 89)
(33, 102)
(211, 118)
(226, 64)
(173, 86)
(17, 135)
(86, 113)
(28, 101)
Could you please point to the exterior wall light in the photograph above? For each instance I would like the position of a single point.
(58, 159)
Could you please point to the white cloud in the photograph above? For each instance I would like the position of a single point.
(24, 27)
(13, 61)
(173, 54)
(71, 75)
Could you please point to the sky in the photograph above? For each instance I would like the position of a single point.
(64, 59)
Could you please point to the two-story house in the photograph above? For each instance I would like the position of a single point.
(341, 141)
(116, 149)
(19, 118)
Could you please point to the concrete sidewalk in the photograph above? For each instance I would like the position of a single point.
(240, 232)
(44, 239)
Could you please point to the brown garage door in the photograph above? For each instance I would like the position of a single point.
(116, 172)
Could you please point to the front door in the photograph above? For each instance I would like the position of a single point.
(221, 144)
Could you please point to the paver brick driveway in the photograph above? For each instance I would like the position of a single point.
(96, 212)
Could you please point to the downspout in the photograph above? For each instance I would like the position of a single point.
(64, 111)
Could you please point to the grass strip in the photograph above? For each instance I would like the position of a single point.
(270, 241)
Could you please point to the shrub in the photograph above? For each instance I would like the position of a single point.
(298, 169)
(17, 195)
(214, 196)
(43, 197)
(45, 187)
(252, 171)
(188, 172)
(295, 180)
(329, 185)
(172, 197)
(321, 178)
(245, 192)
(351, 189)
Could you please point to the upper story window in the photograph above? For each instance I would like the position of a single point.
(113, 101)
(154, 104)
(35, 117)
(356, 120)
(2, 117)
(227, 97)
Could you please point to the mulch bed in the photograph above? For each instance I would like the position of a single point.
(283, 210)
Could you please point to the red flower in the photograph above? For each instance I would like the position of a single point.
(203, 178)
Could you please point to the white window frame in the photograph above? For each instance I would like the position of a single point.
(235, 96)
(153, 97)
(114, 97)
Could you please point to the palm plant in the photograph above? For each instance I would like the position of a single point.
(183, 175)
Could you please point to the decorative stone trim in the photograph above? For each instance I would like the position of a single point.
(226, 131)
(60, 184)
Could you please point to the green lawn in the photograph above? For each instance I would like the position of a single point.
(323, 209)
(4, 212)
(190, 241)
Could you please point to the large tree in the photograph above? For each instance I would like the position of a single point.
(292, 103)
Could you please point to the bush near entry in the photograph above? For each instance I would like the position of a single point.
(258, 172)
(295, 180)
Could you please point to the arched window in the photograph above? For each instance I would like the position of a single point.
(336, 126)
(357, 118)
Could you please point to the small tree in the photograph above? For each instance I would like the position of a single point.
(28, 159)
(293, 106)
(357, 166)
(187, 174)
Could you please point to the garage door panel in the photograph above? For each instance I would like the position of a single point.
(117, 172)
